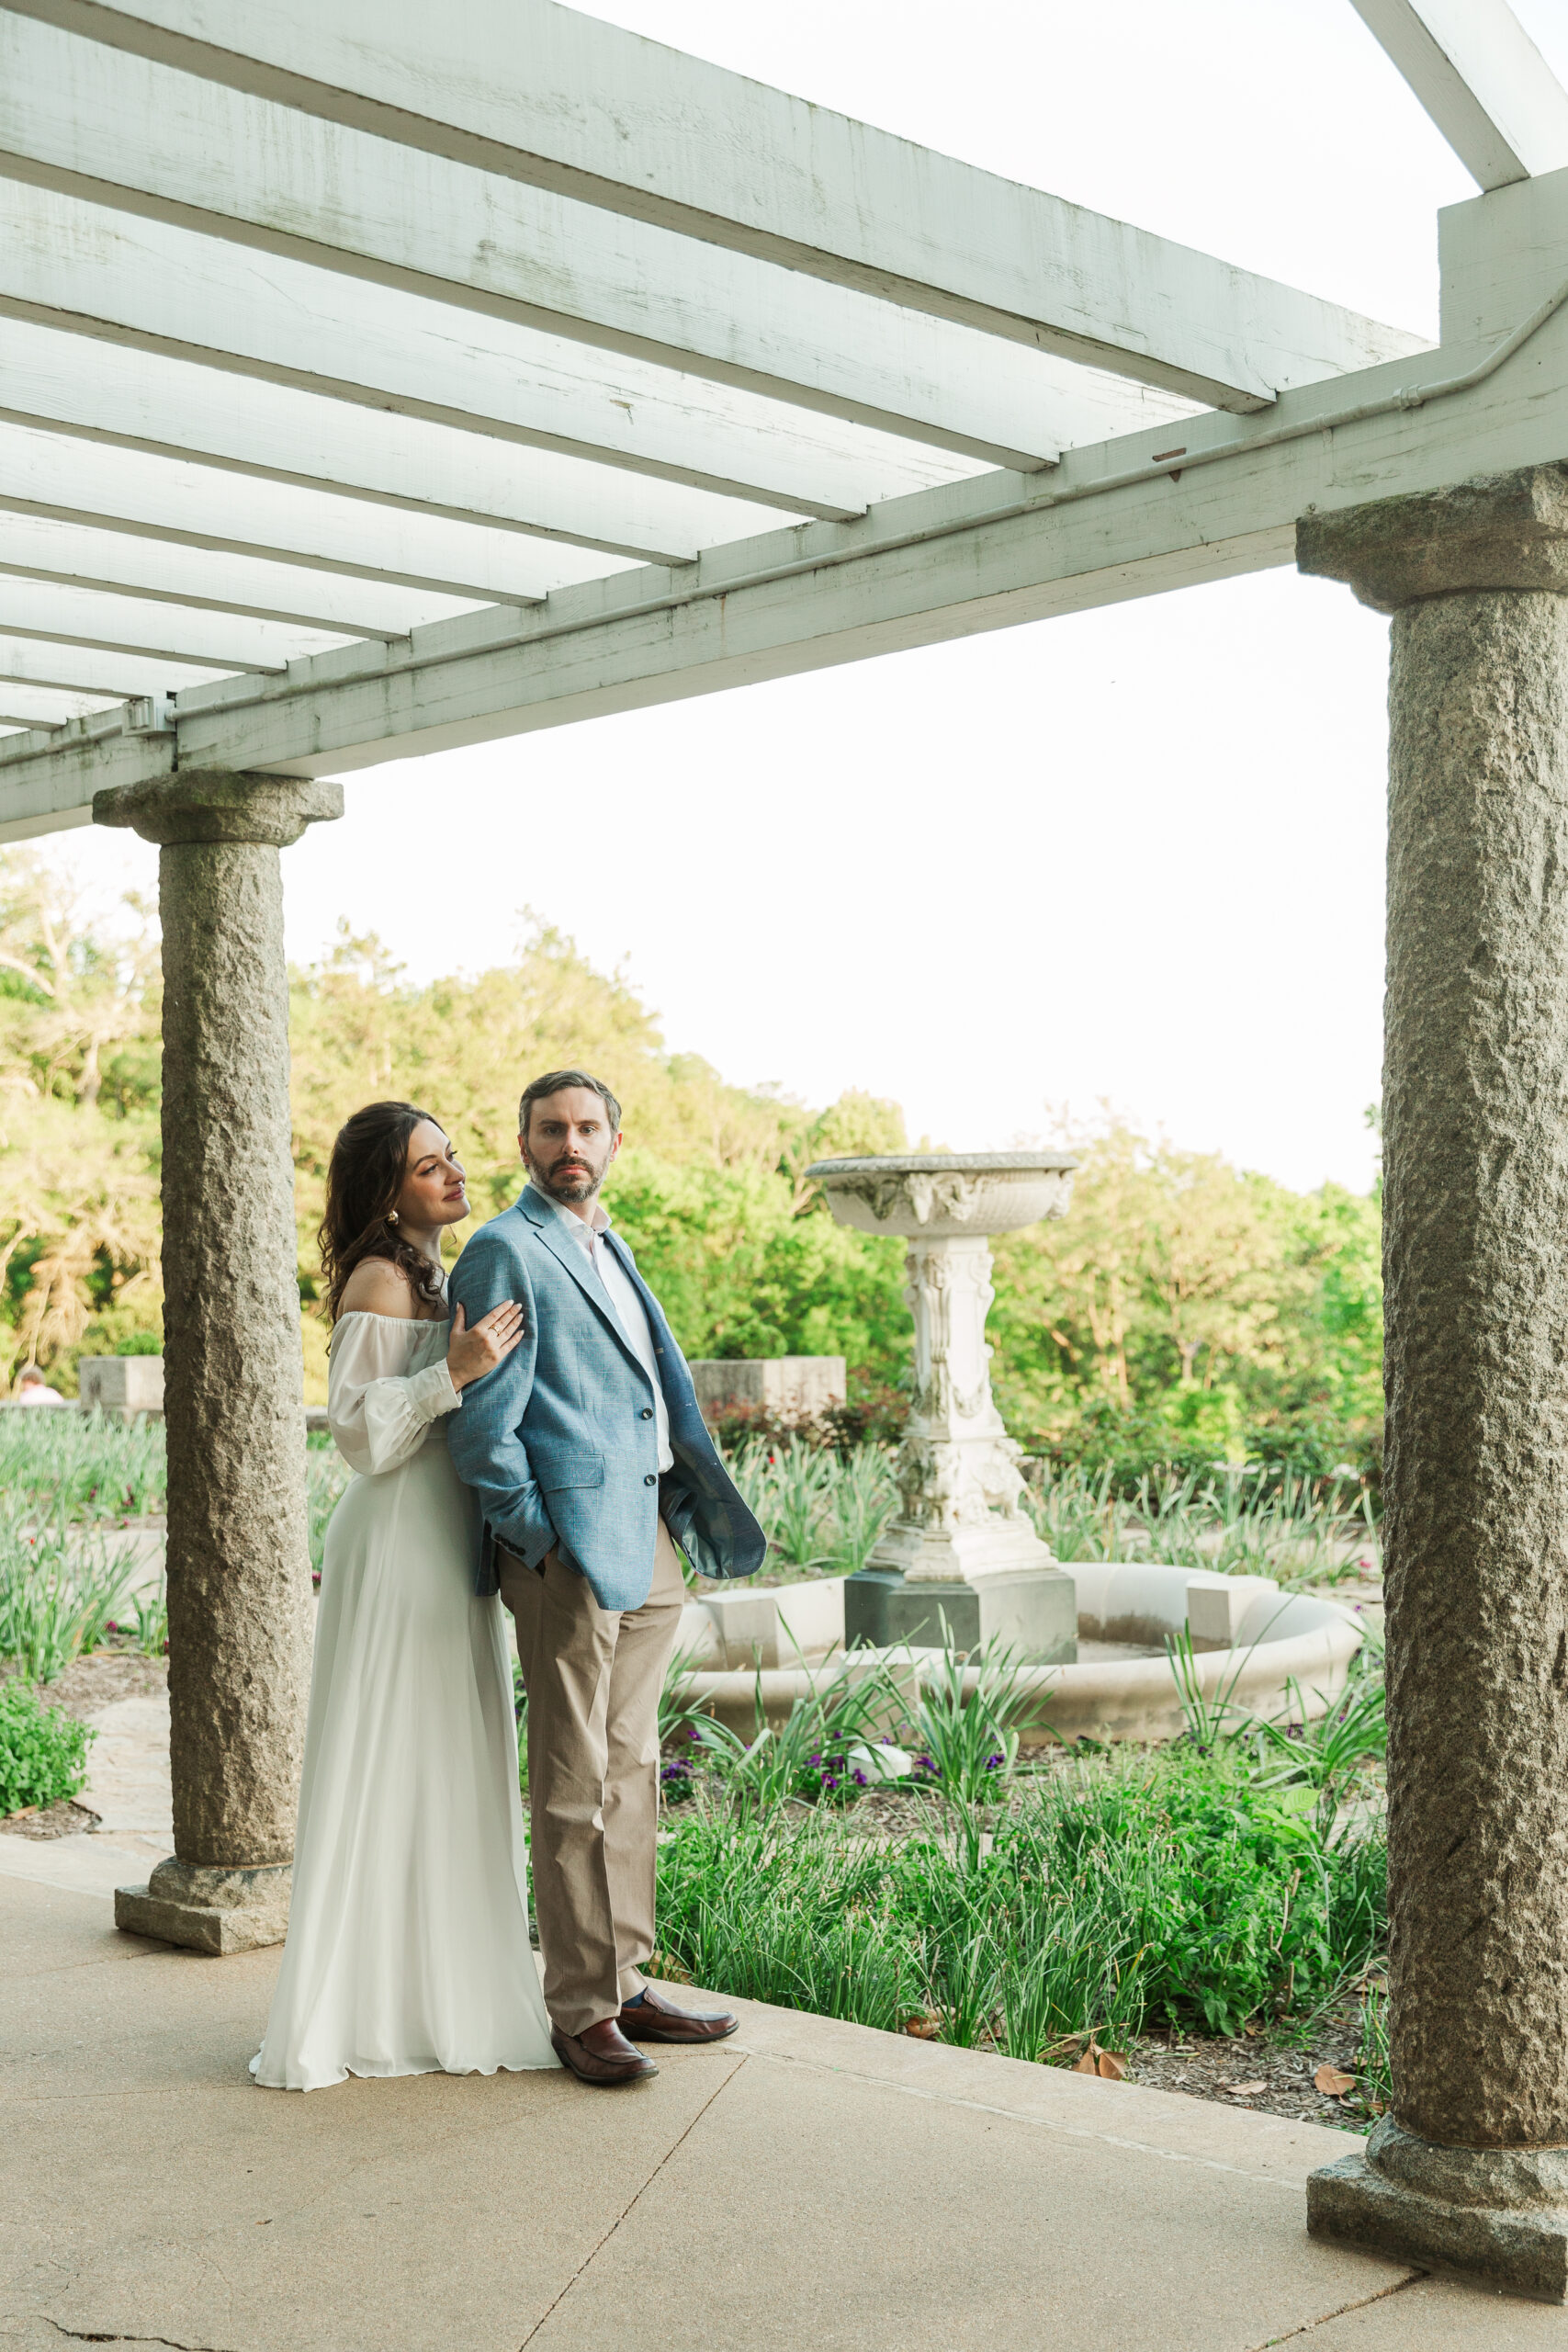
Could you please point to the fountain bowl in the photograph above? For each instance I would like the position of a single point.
(947, 1195)
(1280, 1654)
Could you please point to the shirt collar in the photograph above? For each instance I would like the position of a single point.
(582, 1230)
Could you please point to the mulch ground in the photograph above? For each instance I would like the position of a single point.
(1272, 2074)
(90, 1684)
(62, 1819)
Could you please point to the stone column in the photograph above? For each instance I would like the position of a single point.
(239, 1580)
(1469, 2169)
(961, 1557)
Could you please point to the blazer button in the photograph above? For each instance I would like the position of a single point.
(651, 1480)
(648, 1413)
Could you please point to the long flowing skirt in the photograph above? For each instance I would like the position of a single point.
(408, 1948)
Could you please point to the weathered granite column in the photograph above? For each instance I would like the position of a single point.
(1471, 2167)
(239, 1580)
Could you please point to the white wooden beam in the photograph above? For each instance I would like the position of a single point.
(1481, 78)
(942, 564)
(52, 475)
(122, 277)
(682, 220)
(46, 706)
(52, 773)
(138, 399)
(70, 615)
(85, 583)
(40, 548)
(74, 669)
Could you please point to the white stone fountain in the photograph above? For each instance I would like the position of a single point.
(960, 1555)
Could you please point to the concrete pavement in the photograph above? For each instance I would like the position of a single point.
(807, 2184)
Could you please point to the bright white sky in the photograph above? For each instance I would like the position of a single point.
(1135, 855)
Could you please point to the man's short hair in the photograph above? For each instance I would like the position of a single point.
(554, 1083)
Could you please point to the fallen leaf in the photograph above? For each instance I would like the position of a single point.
(1085, 2065)
(1333, 2082)
(923, 2029)
(1244, 2090)
(1114, 2070)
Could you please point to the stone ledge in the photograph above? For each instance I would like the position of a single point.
(1523, 2252)
(199, 1927)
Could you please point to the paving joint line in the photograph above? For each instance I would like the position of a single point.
(595, 2252)
(1360, 2303)
(1037, 2122)
(92, 2336)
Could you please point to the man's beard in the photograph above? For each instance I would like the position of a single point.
(573, 1184)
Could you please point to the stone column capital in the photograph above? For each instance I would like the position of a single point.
(1501, 531)
(219, 805)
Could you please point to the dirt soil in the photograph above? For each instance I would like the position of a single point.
(62, 1819)
(1282, 2071)
(90, 1684)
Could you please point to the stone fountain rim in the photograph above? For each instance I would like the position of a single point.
(940, 1163)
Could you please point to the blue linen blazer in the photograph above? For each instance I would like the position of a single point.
(559, 1440)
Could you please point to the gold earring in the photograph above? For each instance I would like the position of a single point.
(391, 1216)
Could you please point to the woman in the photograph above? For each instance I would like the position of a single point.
(408, 1948)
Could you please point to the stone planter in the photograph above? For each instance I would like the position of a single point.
(124, 1385)
(780, 1388)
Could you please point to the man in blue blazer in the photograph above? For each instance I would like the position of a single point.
(591, 1462)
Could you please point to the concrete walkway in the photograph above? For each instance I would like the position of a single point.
(809, 2185)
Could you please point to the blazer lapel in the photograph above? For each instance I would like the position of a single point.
(567, 1253)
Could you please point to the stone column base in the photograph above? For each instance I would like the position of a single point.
(208, 1910)
(1032, 1611)
(1497, 2215)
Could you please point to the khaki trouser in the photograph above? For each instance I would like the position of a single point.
(593, 1677)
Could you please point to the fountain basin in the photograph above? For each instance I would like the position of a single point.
(1267, 1641)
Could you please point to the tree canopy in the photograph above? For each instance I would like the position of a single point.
(1183, 1305)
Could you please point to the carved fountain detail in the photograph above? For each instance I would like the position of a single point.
(961, 1553)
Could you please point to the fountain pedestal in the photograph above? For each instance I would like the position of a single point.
(961, 1557)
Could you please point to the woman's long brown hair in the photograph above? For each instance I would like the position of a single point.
(365, 1176)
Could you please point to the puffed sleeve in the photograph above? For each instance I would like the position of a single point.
(377, 1415)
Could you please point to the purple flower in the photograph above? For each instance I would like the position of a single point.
(860, 1779)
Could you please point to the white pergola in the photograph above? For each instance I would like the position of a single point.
(373, 383)
(454, 388)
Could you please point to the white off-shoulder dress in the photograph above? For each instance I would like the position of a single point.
(408, 1948)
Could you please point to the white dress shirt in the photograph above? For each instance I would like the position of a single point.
(624, 1305)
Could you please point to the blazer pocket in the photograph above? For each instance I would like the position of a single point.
(556, 1467)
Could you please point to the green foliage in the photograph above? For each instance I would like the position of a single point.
(83, 1465)
(1233, 1522)
(59, 1593)
(150, 1612)
(1184, 1312)
(326, 1476)
(1114, 1893)
(837, 1720)
(43, 1751)
(821, 1510)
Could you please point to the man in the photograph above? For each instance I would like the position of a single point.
(591, 1462)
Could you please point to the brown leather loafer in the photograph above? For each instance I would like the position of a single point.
(602, 2056)
(653, 2018)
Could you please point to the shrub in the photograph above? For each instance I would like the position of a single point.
(1115, 1893)
(43, 1751)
